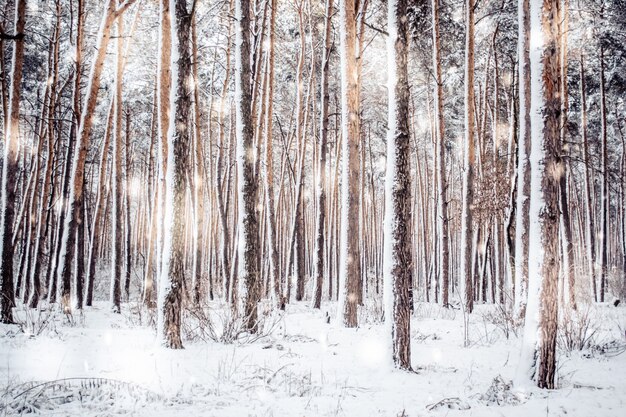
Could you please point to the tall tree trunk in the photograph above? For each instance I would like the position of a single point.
(465, 270)
(73, 218)
(589, 208)
(128, 189)
(178, 165)
(397, 239)
(10, 168)
(247, 269)
(568, 241)
(198, 176)
(98, 220)
(154, 198)
(296, 257)
(523, 161)
(164, 85)
(441, 159)
(349, 267)
(117, 214)
(219, 172)
(604, 210)
(269, 170)
(320, 235)
(46, 200)
(540, 328)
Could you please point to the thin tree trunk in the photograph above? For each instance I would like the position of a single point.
(441, 153)
(198, 176)
(465, 270)
(268, 168)
(73, 218)
(591, 227)
(322, 154)
(117, 218)
(604, 252)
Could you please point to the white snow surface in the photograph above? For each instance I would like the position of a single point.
(305, 367)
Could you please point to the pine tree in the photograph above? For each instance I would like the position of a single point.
(441, 161)
(117, 217)
(176, 186)
(540, 327)
(320, 234)
(523, 161)
(397, 240)
(349, 267)
(465, 270)
(248, 271)
(73, 219)
(10, 167)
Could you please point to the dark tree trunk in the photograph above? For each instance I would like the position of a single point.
(10, 168)
(248, 270)
(398, 277)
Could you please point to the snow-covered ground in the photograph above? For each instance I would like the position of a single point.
(108, 364)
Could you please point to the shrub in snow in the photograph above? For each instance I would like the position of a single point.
(216, 322)
(76, 396)
(577, 330)
(505, 320)
(36, 321)
(607, 349)
(500, 393)
(452, 403)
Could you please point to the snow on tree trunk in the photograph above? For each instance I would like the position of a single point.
(198, 260)
(604, 210)
(524, 170)
(349, 274)
(73, 218)
(247, 268)
(98, 223)
(176, 183)
(465, 264)
(10, 168)
(568, 258)
(320, 235)
(268, 167)
(117, 221)
(42, 231)
(590, 223)
(442, 219)
(164, 86)
(538, 356)
(397, 239)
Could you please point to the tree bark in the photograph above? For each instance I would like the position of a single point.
(73, 218)
(397, 239)
(178, 165)
(540, 328)
(465, 270)
(349, 268)
(441, 159)
(10, 168)
(247, 269)
(117, 214)
(590, 223)
(320, 235)
(604, 252)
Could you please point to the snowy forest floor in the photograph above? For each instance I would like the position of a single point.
(108, 364)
